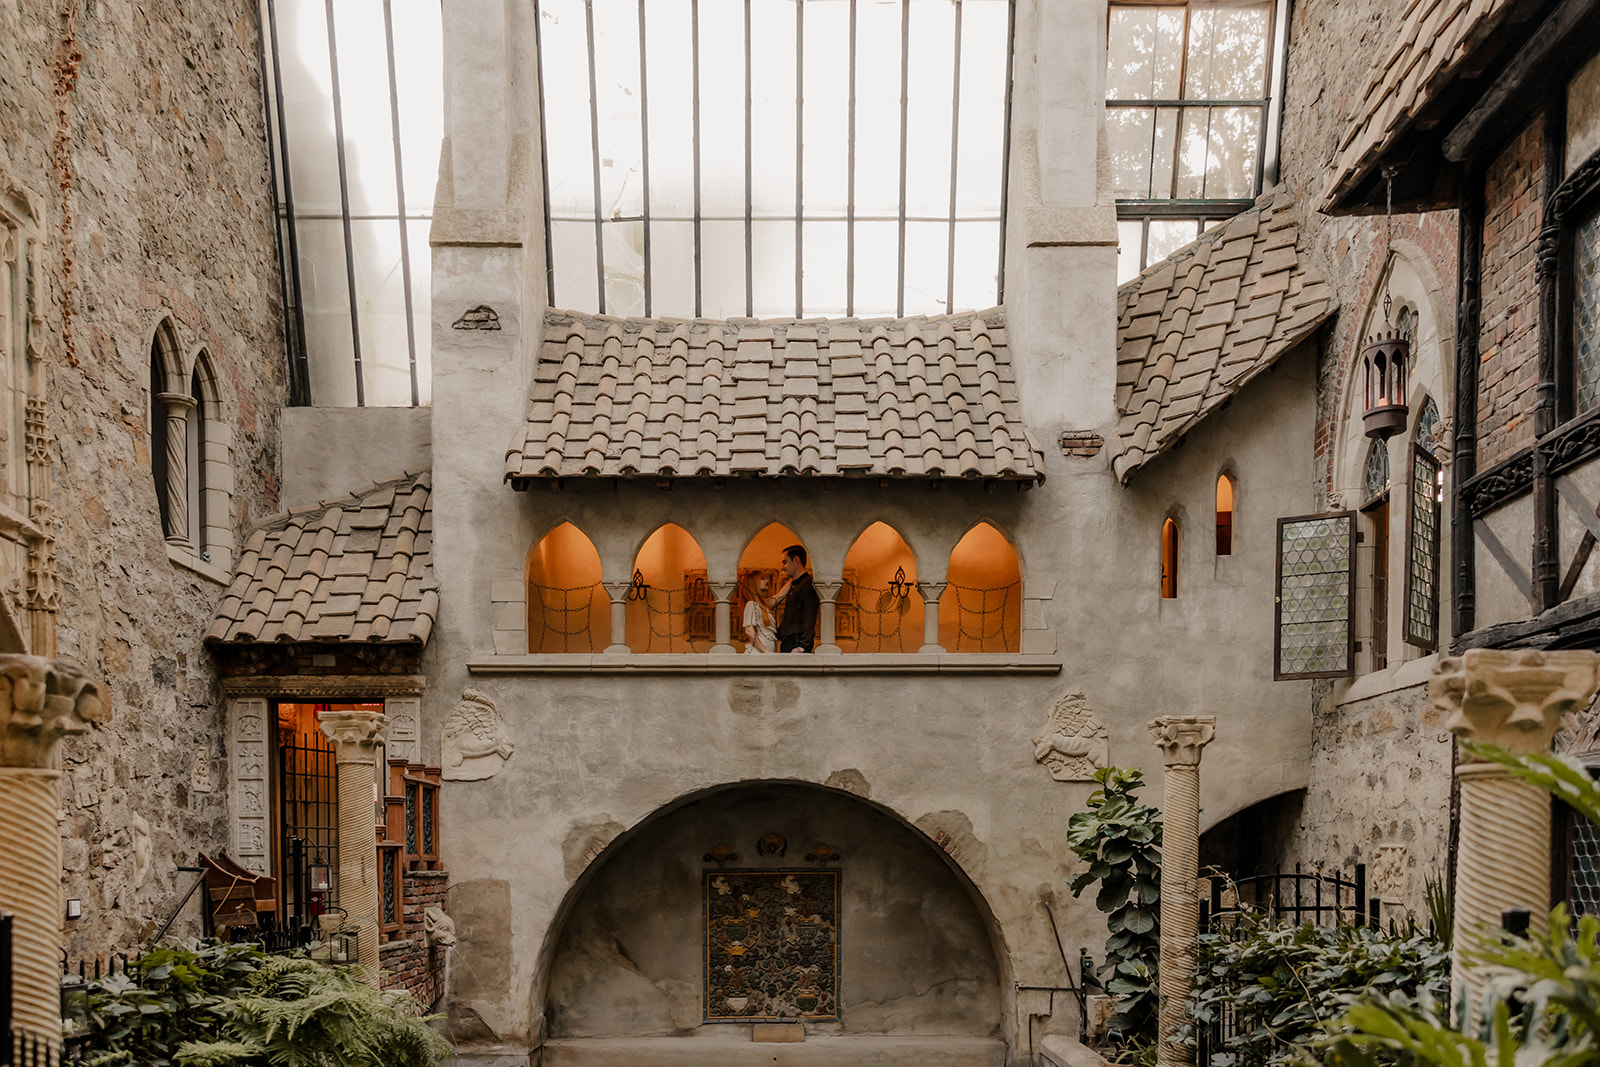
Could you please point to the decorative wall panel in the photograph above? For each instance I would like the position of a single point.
(772, 945)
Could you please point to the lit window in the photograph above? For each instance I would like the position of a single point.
(685, 179)
(879, 603)
(1188, 114)
(1224, 515)
(568, 609)
(1376, 509)
(1169, 559)
(669, 605)
(761, 575)
(981, 608)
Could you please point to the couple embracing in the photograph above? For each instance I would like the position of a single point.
(796, 629)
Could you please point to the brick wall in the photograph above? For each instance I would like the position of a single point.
(1508, 340)
(409, 963)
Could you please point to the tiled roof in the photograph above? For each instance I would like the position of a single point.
(358, 568)
(1194, 328)
(1434, 39)
(619, 398)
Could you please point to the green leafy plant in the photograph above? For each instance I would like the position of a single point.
(1542, 1003)
(1120, 839)
(1277, 984)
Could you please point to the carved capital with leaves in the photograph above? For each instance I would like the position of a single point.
(1514, 698)
(42, 701)
(356, 735)
(1181, 737)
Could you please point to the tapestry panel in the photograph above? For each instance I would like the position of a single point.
(772, 945)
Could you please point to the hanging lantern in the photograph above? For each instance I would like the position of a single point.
(1387, 362)
(318, 875)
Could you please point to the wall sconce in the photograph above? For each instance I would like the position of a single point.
(74, 908)
(319, 875)
(899, 586)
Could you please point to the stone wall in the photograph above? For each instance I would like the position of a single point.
(137, 130)
(1508, 330)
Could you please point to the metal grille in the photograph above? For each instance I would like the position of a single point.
(429, 800)
(309, 796)
(411, 817)
(771, 157)
(1586, 320)
(1422, 570)
(1583, 879)
(982, 616)
(1314, 596)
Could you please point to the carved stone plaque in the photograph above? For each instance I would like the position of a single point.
(1074, 743)
(772, 945)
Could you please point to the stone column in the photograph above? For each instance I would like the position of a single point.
(175, 407)
(931, 592)
(828, 592)
(723, 591)
(41, 701)
(1514, 699)
(357, 736)
(1180, 740)
(618, 592)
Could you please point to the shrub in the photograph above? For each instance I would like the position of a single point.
(1121, 840)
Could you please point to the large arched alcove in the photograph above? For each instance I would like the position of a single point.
(916, 946)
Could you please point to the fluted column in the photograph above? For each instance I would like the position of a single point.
(828, 593)
(1180, 740)
(1514, 699)
(618, 592)
(175, 408)
(41, 701)
(931, 593)
(723, 591)
(357, 737)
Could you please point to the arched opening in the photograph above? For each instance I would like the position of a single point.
(879, 607)
(981, 609)
(1224, 515)
(1169, 559)
(195, 446)
(164, 363)
(1375, 519)
(670, 606)
(763, 557)
(568, 610)
(765, 900)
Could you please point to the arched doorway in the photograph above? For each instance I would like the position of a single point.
(768, 899)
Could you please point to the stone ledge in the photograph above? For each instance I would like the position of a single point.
(1059, 1051)
(736, 1048)
(190, 561)
(738, 663)
(1413, 672)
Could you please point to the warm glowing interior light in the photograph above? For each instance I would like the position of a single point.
(568, 610)
(873, 615)
(673, 610)
(981, 609)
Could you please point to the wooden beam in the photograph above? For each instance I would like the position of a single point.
(1567, 28)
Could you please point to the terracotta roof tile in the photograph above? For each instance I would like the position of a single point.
(291, 584)
(1192, 330)
(880, 398)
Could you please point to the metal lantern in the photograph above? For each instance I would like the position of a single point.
(1387, 360)
(319, 874)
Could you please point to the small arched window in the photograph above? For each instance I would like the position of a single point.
(879, 608)
(1169, 559)
(1224, 515)
(169, 419)
(981, 608)
(568, 610)
(670, 607)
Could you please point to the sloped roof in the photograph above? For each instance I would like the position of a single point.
(626, 398)
(1434, 40)
(1194, 328)
(357, 568)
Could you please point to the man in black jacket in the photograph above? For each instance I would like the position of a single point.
(797, 631)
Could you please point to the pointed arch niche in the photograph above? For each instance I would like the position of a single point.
(568, 610)
(670, 607)
(879, 607)
(981, 609)
(764, 555)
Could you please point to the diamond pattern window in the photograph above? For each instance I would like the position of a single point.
(1586, 313)
(1189, 118)
(1315, 596)
(1425, 517)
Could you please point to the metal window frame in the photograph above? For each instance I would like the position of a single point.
(1278, 673)
(1422, 457)
(901, 217)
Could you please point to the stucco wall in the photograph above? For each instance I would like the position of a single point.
(329, 452)
(914, 954)
(157, 204)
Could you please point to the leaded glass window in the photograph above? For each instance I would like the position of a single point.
(1427, 424)
(1422, 563)
(1315, 598)
(1375, 476)
(1586, 319)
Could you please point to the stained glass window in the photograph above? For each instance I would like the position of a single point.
(1586, 320)
(1427, 424)
(1315, 596)
(1375, 476)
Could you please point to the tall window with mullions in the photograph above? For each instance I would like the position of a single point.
(1191, 118)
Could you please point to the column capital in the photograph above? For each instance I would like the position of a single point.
(42, 701)
(618, 591)
(176, 403)
(356, 735)
(1513, 698)
(827, 590)
(723, 591)
(1181, 737)
(931, 591)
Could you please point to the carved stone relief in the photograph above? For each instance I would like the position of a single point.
(476, 743)
(141, 850)
(247, 719)
(437, 927)
(403, 714)
(42, 701)
(200, 779)
(1074, 743)
(1389, 874)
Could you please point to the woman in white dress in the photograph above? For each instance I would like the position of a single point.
(760, 629)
